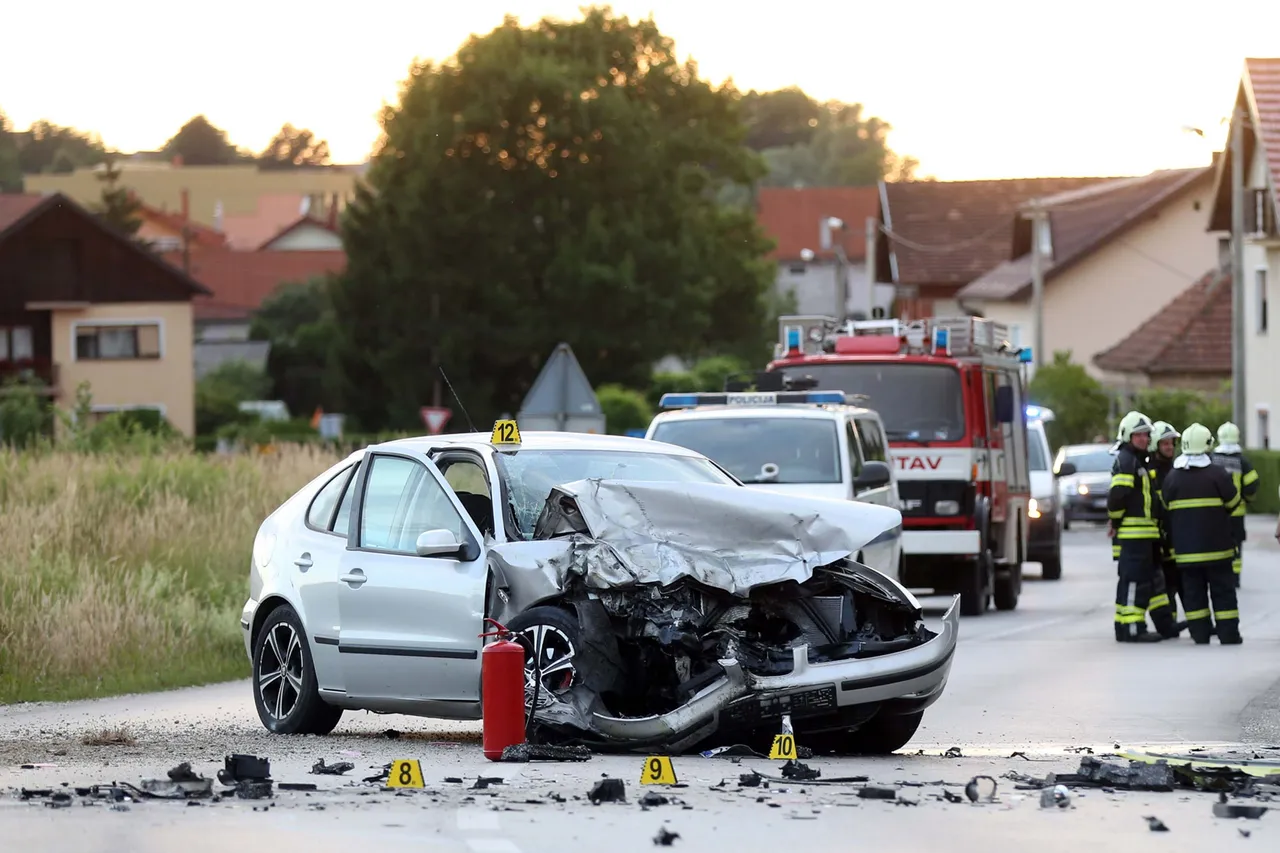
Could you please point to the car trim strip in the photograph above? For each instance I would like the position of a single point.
(325, 641)
(244, 624)
(895, 677)
(453, 654)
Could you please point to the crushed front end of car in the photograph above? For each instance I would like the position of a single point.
(698, 614)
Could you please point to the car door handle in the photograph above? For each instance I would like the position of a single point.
(304, 562)
(355, 578)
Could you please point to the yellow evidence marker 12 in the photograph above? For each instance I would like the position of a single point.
(505, 432)
(405, 773)
(784, 747)
(658, 771)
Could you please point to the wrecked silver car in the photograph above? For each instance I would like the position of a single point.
(662, 603)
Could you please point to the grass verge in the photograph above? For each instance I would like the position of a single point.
(127, 573)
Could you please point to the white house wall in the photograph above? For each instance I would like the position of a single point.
(1262, 348)
(306, 238)
(814, 286)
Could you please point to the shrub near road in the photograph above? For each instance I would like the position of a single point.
(124, 572)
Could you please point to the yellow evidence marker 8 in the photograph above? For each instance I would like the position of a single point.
(784, 747)
(658, 771)
(405, 773)
(505, 432)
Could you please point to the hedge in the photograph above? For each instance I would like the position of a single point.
(1267, 463)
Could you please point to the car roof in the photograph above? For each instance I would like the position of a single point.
(543, 440)
(1084, 448)
(782, 410)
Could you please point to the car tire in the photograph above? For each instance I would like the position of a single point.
(1051, 567)
(884, 734)
(290, 703)
(975, 592)
(547, 632)
(1008, 588)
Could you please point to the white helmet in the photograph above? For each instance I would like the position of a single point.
(1133, 423)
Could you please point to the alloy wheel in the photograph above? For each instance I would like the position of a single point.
(280, 670)
(553, 651)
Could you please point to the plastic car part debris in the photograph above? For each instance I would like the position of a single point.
(750, 780)
(483, 782)
(741, 750)
(1222, 808)
(253, 789)
(800, 772)
(953, 752)
(29, 793)
(951, 797)
(297, 786)
(608, 791)
(58, 801)
(457, 780)
(391, 734)
(1244, 833)
(1136, 777)
(1057, 796)
(322, 769)
(382, 775)
(522, 752)
(975, 789)
(873, 793)
(665, 838)
(182, 782)
(240, 767)
(653, 798)
(1155, 824)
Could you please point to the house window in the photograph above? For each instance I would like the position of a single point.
(112, 342)
(1224, 253)
(16, 343)
(1260, 285)
(1264, 428)
(1259, 216)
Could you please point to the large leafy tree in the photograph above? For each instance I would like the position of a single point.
(200, 143)
(10, 167)
(47, 147)
(551, 183)
(298, 321)
(292, 147)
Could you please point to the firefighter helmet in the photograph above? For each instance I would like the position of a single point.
(1197, 440)
(1161, 430)
(1133, 423)
(1228, 433)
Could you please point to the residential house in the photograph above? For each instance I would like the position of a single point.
(941, 235)
(1258, 99)
(306, 234)
(1185, 344)
(165, 231)
(80, 302)
(811, 274)
(1112, 252)
(303, 222)
(217, 194)
(237, 284)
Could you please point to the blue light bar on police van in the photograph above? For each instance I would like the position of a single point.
(752, 398)
(1039, 413)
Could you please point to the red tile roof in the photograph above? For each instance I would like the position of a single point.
(240, 281)
(14, 206)
(1191, 334)
(1259, 93)
(301, 221)
(201, 235)
(791, 217)
(1081, 222)
(973, 220)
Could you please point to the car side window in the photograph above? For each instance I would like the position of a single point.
(872, 440)
(342, 521)
(855, 453)
(320, 513)
(401, 501)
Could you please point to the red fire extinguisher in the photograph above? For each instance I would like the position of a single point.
(502, 692)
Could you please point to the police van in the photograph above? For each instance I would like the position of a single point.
(811, 443)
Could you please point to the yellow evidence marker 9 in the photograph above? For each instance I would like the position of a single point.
(784, 747)
(658, 771)
(505, 432)
(405, 773)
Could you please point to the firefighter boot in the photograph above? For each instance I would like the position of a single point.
(1163, 613)
(1225, 613)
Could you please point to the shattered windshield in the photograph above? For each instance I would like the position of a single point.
(530, 475)
(916, 402)
(764, 449)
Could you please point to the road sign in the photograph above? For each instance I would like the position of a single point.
(435, 419)
(561, 398)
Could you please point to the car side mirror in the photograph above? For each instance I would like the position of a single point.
(874, 475)
(1066, 469)
(1004, 404)
(439, 543)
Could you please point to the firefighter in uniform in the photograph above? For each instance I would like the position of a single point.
(1229, 455)
(1201, 498)
(1164, 447)
(1135, 514)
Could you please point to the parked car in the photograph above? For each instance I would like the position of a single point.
(1044, 510)
(660, 601)
(1084, 478)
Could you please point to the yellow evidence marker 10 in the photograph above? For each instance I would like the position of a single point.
(784, 747)
(505, 432)
(658, 771)
(405, 773)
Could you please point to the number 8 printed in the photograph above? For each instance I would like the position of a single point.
(406, 773)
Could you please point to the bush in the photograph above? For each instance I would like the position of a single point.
(1079, 403)
(25, 416)
(127, 572)
(623, 409)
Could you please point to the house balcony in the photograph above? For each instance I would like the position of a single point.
(41, 372)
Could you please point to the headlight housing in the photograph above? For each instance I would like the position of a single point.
(264, 545)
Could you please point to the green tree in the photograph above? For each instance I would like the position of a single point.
(221, 391)
(46, 147)
(10, 165)
(1213, 410)
(624, 409)
(118, 207)
(25, 415)
(292, 147)
(200, 143)
(1079, 403)
(548, 183)
(298, 321)
(1175, 406)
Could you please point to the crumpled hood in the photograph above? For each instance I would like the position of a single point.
(727, 537)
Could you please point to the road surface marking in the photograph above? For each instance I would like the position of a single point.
(471, 819)
(492, 845)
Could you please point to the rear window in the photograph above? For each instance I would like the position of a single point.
(1092, 461)
(916, 402)
(805, 450)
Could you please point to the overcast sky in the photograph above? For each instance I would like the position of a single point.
(982, 89)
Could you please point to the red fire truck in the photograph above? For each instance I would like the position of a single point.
(952, 397)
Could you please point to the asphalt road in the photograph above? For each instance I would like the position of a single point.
(1043, 680)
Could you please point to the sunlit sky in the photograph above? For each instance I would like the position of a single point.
(981, 89)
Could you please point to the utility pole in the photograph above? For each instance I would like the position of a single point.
(873, 234)
(1238, 399)
(1038, 219)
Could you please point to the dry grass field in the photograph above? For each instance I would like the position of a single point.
(123, 572)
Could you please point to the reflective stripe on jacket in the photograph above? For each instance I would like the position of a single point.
(1243, 476)
(1199, 502)
(1133, 509)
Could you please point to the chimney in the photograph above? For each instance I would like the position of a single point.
(333, 212)
(186, 205)
(217, 215)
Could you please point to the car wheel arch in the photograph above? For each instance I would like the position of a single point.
(266, 607)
